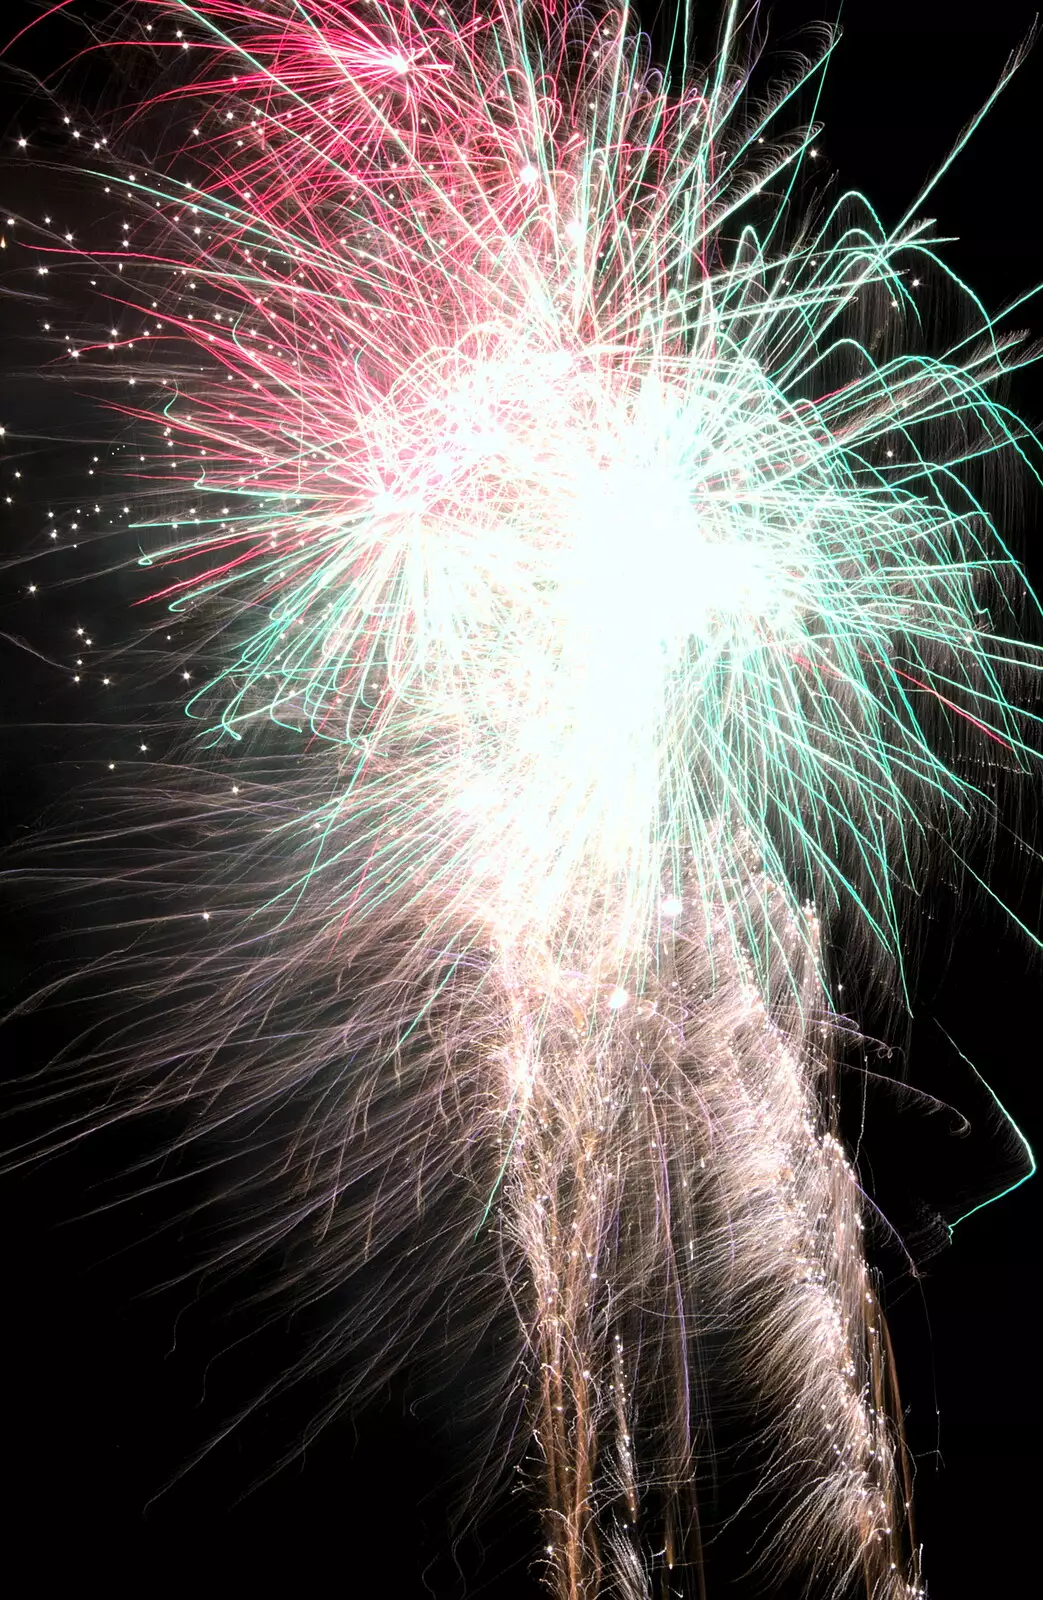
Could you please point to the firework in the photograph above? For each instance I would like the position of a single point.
(601, 523)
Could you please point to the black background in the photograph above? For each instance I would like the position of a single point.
(111, 1383)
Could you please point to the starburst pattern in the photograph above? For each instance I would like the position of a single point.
(603, 523)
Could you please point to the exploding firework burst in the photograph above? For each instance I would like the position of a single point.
(602, 525)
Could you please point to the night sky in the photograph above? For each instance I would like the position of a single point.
(121, 1362)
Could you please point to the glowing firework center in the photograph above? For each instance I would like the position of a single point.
(535, 521)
